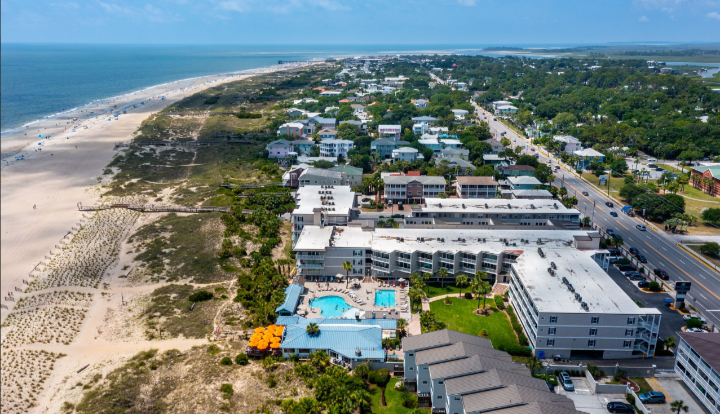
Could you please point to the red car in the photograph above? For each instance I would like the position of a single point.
(661, 274)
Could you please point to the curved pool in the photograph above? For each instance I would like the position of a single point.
(331, 306)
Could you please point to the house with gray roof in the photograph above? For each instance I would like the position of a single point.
(406, 154)
(463, 167)
(385, 146)
(321, 176)
(426, 119)
(353, 175)
(413, 189)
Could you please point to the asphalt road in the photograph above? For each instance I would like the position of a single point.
(658, 248)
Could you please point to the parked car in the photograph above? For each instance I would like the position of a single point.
(566, 381)
(659, 169)
(613, 213)
(641, 227)
(365, 200)
(688, 317)
(585, 193)
(626, 268)
(609, 204)
(610, 232)
(643, 284)
(661, 274)
(641, 258)
(620, 407)
(695, 330)
(652, 397)
(634, 251)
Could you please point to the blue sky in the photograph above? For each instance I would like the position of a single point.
(422, 22)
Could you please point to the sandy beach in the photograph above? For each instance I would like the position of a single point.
(63, 268)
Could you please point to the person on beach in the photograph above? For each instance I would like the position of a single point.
(34, 207)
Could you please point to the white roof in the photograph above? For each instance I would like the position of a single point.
(459, 111)
(426, 141)
(589, 280)
(309, 198)
(493, 157)
(389, 126)
(451, 141)
(405, 149)
(493, 206)
(506, 107)
(292, 125)
(567, 139)
(589, 152)
(523, 179)
(501, 102)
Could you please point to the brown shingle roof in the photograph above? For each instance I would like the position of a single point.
(707, 345)
(516, 167)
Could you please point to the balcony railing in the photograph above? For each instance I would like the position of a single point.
(301, 265)
(301, 256)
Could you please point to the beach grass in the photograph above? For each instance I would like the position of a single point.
(169, 314)
(460, 317)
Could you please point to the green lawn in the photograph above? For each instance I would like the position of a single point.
(670, 168)
(616, 183)
(642, 383)
(436, 290)
(460, 317)
(696, 249)
(393, 399)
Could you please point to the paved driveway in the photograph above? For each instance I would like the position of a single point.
(584, 399)
(674, 389)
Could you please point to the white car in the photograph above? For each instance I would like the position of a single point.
(641, 227)
(688, 317)
(697, 330)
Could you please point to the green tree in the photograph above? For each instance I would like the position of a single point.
(678, 406)
(533, 364)
(670, 342)
(710, 248)
(347, 267)
(480, 287)
(312, 328)
(711, 215)
(362, 370)
(562, 191)
(442, 274)
(570, 202)
(460, 281)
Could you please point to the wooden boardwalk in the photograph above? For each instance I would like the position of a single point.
(182, 143)
(151, 208)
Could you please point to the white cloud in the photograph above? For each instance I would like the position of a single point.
(714, 15)
(643, 19)
(149, 12)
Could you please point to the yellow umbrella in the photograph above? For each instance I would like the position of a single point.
(275, 345)
(256, 335)
(252, 344)
(276, 340)
(263, 345)
(271, 327)
(259, 329)
(279, 330)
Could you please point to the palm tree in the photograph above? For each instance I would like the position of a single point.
(442, 274)
(415, 294)
(461, 281)
(480, 286)
(401, 325)
(312, 328)
(670, 342)
(562, 191)
(679, 405)
(427, 276)
(533, 364)
(347, 266)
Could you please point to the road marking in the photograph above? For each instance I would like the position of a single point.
(713, 310)
(663, 247)
(623, 226)
(686, 273)
(703, 296)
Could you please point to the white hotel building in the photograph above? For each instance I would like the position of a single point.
(698, 364)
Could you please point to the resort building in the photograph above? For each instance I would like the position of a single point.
(476, 187)
(330, 205)
(292, 298)
(523, 183)
(569, 306)
(457, 373)
(706, 179)
(392, 254)
(335, 147)
(411, 189)
(698, 363)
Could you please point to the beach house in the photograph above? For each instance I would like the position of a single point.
(413, 189)
(495, 146)
(407, 154)
(476, 187)
(279, 149)
(572, 144)
(335, 147)
(421, 103)
(385, 146)
(588, 156)
(320, 176)
(523, 183)
(291, 128)
(389, 131)
(516, 170)
(353, 175)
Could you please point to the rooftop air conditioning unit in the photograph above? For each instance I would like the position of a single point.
(578, 297)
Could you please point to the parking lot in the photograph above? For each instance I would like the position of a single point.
(584, 399)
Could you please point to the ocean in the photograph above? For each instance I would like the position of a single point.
(40, 80)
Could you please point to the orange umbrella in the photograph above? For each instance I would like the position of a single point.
(252, 344)
(259, 329)
(263, 345)
(271, 327)
(279, 330)
(275, 345)
(276, 340)
(256, 335)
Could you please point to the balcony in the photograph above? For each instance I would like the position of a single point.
(404, 260)
(381, 259)
(303, 256)
(301, 265)
(447, 260)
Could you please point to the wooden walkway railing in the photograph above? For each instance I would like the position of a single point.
(182, 143)
(151, 208)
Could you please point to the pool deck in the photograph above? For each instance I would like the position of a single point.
(365, 292)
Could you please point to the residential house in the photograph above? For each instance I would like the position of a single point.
(360, 124)
(327, 133)
(496, 146)
(530, 194)
(459, 113)
(291, 128)
(323, 122)
(435, 130)
(523, 183)
(390, 131)
(457, 164)
(420, 103)
(476, 187)
(517, 170)
(279, 149)
(506, 110)
(421, 128)
(320, 176)
(354, 175)
(697, 362)
(304, 100)
(497, 104)
(291, 177)
(449, 152)
(335, 147)
(358, 109)
(385, 146)
(493, 159)
(303, 146)
(426, 119)
(451, 143)
(587, 157)
(408, 154)
(330, 93)
(295, 112)
(706, 179)
(431, 142)
(462, 86)
(332, 110)
(572, 144)
(408, 189)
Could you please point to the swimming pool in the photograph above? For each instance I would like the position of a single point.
(385, 298)
(331, 306)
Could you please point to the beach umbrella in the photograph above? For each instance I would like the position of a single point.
(271, 327)
(401, 280)
(259, 329)
(253, 344)
(263, 345)
(275, 339)
(275, 345)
